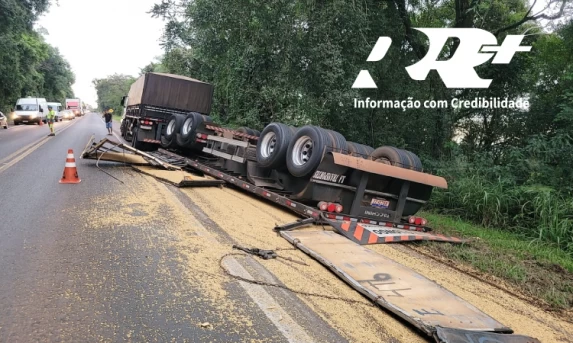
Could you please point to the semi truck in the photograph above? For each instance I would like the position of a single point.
(368, 195)
(310, 164)
(75, 105)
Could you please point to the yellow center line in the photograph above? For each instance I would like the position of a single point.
(27, 150)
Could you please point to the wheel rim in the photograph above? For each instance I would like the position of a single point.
(187, 126)
(302, 150)
(171, 127)
(268, 144)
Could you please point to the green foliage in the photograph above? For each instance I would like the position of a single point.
(295, 62)
(110, 90)
(30, 66)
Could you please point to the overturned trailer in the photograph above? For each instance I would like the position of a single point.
(369, 196)
(310, 164)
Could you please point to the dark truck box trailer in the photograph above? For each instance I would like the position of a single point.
(170, 91)
(153, 99)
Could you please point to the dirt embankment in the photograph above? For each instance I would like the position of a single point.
(250, 222)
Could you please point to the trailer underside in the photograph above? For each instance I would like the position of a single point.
(419, 301)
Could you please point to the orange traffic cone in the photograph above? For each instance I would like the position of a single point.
(70, 171)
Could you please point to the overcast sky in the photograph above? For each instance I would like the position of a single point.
(103, 37)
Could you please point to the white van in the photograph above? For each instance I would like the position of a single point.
(30, 110)
(57, 107)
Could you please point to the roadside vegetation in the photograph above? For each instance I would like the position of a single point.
(29, 66)
(510, 171)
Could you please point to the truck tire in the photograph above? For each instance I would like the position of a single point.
(188, 132)
(352, 148)
(273, 145)
(246, 131)
(390, 155)
(173, 126)
(339, 141)
(135, 143)
(368, 150)
(306, 148)
(142, 146)
(415, 163)
(168, 144)
(359, 150)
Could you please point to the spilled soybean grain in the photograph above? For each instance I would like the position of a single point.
(250, 221)
(148, 206)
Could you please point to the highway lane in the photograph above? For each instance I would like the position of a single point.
(74, 269)
(19, 137)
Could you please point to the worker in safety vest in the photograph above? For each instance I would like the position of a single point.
(50, 117)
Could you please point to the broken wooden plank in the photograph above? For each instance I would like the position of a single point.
(93, 150)
(117, 157)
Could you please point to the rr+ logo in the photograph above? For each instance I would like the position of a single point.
(458, 71)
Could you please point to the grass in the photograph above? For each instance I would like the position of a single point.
(539, 270)
(116, 117)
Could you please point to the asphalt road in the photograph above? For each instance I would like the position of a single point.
(71, 271)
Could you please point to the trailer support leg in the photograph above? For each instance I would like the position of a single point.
(401, 201)
(359, 194)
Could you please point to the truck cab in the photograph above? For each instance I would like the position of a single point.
(30, 111)
(74, 105)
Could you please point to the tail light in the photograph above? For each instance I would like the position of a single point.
(417, 220)
(338, 208)
(331, 207)
(323, 206)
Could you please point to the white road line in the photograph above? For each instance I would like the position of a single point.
(271, 308)
(19, 155)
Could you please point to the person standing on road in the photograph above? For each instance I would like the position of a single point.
(50, 118)
(108, 120)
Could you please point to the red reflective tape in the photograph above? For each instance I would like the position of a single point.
(358, 233)
(372, 238)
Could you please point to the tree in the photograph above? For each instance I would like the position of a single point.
(110, 90)
(29, 65)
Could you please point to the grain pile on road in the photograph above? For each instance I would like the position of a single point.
(196, 256)
(201, 223)
(250, 221)
(171, 176)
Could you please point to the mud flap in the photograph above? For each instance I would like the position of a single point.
(364, 234)
(447, 335)
(396, 288)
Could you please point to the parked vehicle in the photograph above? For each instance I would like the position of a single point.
(311, 165)
(75, 105)
(57, 107)
(30, 110)
(3, 120)
(67, 115)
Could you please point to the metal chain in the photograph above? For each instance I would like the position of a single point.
(268, 284)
